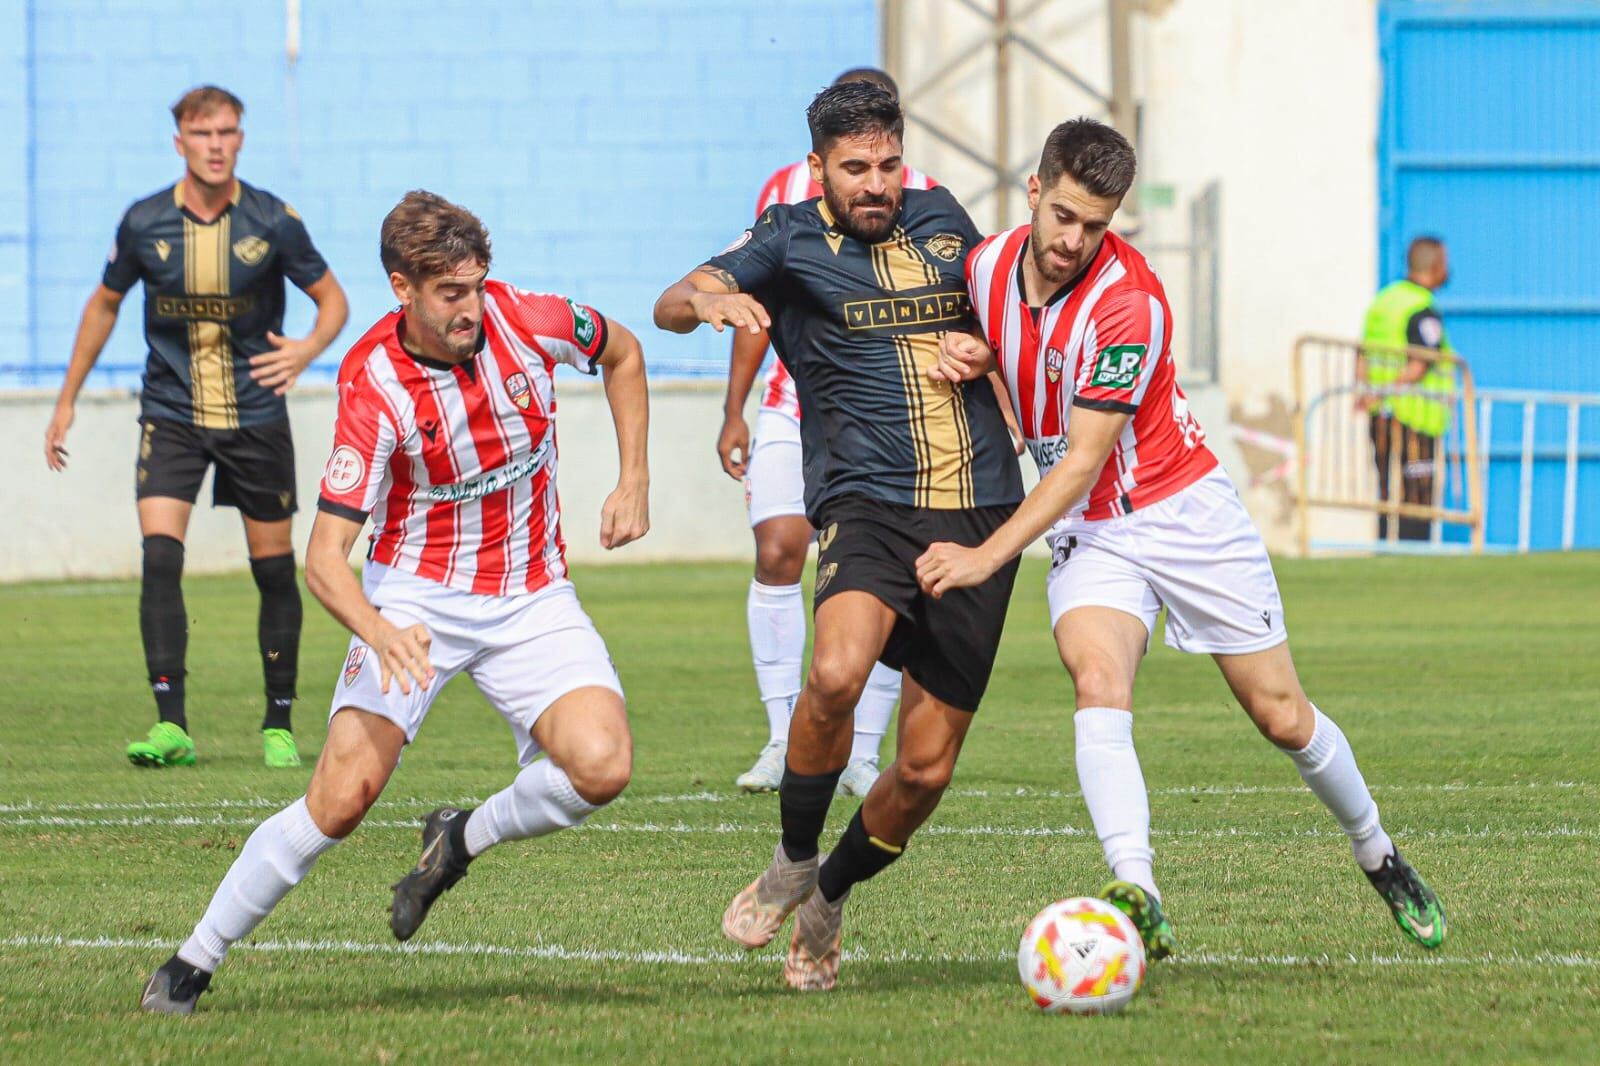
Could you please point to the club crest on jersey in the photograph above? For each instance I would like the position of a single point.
(353, 663)
(250, 250)
(518, 389)
(945, 246)
(1053, 362)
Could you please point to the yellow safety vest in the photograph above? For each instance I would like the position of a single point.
(1426, 409)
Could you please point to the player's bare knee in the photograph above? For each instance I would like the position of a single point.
(1281, 717)
(834, 683)
(923, 775)
(338, 807)
(778, 562)
(1099, 682)
(600, 772)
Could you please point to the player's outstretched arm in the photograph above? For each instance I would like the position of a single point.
(709, 294)
(280, 368)
(402, 653)
(625, 516)
(1091, 435)
(94, 328)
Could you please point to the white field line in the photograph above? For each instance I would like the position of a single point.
(1556, 832)
(672, 957)
(668, 799)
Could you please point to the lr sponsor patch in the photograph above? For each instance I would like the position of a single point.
(518, 389)
(353, 663)
(1117, 366)
(583, 324)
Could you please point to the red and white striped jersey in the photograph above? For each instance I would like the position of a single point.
(793, 184)
(457, 464)
(1105, 344)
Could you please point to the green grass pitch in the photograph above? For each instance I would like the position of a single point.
(1467, 686)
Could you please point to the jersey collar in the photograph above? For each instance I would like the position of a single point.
(177, 200)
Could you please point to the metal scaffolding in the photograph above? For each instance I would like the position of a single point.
(1003, 38)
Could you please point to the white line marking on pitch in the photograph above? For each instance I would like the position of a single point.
(268, 803)
(1556, 832)
(720, 958)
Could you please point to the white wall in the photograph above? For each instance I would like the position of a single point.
(1275, 99)
(82, 523)
(1279, 101)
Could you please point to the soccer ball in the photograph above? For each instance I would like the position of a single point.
(1081, 956)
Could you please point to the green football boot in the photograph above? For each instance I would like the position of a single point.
(1417, 910)
(1147, 916)
(278, 750)
(165, 745)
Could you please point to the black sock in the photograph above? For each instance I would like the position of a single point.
(803, 801)
(857, 857)
(168, 692)
(278, 634)
(164, 625)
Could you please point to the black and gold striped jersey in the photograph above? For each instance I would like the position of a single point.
(212, 291)
(857, 325)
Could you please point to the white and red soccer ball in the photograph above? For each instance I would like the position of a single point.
(1081, 956)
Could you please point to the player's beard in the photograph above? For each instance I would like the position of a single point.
(866, 230)
(450, 341)
(1047, 268)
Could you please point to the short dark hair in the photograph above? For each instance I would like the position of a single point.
(870, 74)
(426, 236)
(850, 109)
(1423, 253)
(202, 100)
(1092, 154)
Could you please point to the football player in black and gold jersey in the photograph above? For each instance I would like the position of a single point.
(213, 254)
(855, 289)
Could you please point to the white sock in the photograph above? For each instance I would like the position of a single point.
(1328, 767)
(1113, 790)
(277, 856)
(776, 615)
(873, 711)
(541, 800)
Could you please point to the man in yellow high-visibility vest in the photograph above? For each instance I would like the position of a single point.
(1410, 400)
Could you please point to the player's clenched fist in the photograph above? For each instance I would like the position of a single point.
(403, 656)
(625, 516)
(737, 309)
(962, 357)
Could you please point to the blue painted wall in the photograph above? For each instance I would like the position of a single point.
(609, 145)
(1490, 139)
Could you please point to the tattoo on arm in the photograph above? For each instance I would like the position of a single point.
(722, 277)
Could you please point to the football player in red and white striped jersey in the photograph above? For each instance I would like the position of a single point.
(1139, 516)
(774, 492)
(446, 438)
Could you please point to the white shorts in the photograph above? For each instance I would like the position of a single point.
(774, 482)
(1196, 552)
(523, 652)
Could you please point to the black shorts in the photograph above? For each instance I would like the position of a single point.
(255, 465)
(947, 645)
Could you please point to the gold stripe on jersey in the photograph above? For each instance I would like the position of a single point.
(936, 411)
(205, 273)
